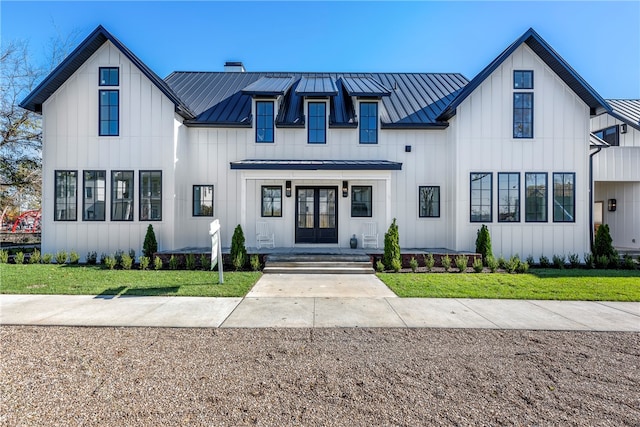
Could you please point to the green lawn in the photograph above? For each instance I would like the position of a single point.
(91, 280)
(549, 284)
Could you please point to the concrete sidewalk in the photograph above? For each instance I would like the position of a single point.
(318, 312)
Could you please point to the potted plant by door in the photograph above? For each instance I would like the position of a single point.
(353, 242)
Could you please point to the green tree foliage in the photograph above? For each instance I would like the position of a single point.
(150, 245)
(603, 244)
(392, 247)
(483, 243)
(238, 250)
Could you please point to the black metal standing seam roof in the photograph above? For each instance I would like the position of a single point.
(415, 99)
(364, 86)
(266, 164)
(317, 86)
(80, 54)
(269, 86)
(626, 110)
(550, 57)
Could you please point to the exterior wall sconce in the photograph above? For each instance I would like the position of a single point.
(345, 188)
(287, 188)
(623, 128)
(407, 148)
(612, 205)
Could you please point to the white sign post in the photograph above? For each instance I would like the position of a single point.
(216, 248)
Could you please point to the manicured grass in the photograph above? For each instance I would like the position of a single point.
(548, 284)
(91, 280)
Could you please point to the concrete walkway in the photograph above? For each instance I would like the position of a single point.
(318, 301)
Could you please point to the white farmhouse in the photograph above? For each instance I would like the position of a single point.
(317, 156)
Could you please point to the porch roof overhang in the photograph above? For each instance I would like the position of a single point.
(264, 164)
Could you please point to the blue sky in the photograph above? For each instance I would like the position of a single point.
(600, 40)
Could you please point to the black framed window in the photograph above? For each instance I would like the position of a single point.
(94, 195)
(368, 123)
(429, 201)
(66, 205)
(523, 79)
(610, 135)
(109, 123)
(508, 197)
(535, 197)
(122, 195)
(203, 200)
(564, 201)
(271, 201)
(150, 196)
(317, 123)
(264, 121)
(523, 115)
(109, 76)
(361, 201)
(481, 196)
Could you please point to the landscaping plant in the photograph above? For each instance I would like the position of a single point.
(502, 262)
(574, 260)
(110, 262)
(614, 260)
(602, 261)
(4, 256)
(173, 263)
(392, 247)
(589, 260)
(544, 262)
(413, 263)
(126, 261)
(461, 262)
(238, 250)
(628, 263)
(379, 266)
(446, 262)
(483, 242)
(396, 265)
(255, 262)
(92, 258)
(477, 265)
(492, 264)
(61, 257)
(190, 261)
(74, 257)
(150, 245)
(144, 262)
(513, 264)
(46, 258)
(429, 261)
(19, 258)
(603, 244)
(157, 263)
(205, 261)
(35, 257)
(558, 261)
(530, 260)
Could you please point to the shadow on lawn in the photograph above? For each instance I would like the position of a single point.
(111, 293)
(578, 272)
(160, 291)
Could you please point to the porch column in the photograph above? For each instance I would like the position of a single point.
(243, 202)
(387, 182)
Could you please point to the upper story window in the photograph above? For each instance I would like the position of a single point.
(203, 200)
(93, 202)
(481, 195)
(610, 135)
(317, 123)
(368, 123)
(523, 79)
(523, 115)
(523, 104)
(66, 183)
(109, 76)
(109, 102)
(264, 121)
(150, 195)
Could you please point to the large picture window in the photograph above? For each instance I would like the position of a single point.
(109, 113)
(481, 195)
(535, 197)
(264, 121)
(564, 202)
(122, 195)
(523, 115)
(508, 197)
(317, 123)
(368, 123)
(66, 205)
(203, 200)
(429, 198)
(94, 195)
(271, 201)
(361, 198)
(150, 195)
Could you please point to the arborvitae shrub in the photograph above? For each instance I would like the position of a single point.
(492, 263)
(150, 245)
(603, 244)
(190, 261)
(92, 258)
(19, 258)
(238, 250)
(477, 265)
(544, 262)
(483, 243)
(35, 257)
(574, 260)
(429, 261)
(589, 260)
(144, 262)
(205, 261)
(396, 265)
(173, 263)
(157, 263)
(461, 262)
(126, 262)
(413, 264)
(391, 246)
(379, 266)
(255, 262)
(446, 262)
(558, 261)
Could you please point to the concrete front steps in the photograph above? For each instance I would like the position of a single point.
(318, 264)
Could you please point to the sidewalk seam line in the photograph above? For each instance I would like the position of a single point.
(484, 317)
(558, 314)
(615, 308)
(394, 310)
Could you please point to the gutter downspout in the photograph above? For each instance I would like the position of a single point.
(591, 225)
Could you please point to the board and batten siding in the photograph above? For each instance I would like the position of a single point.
(484, 142)
(71, 142)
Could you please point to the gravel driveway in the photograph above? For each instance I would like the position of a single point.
(280, 377)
